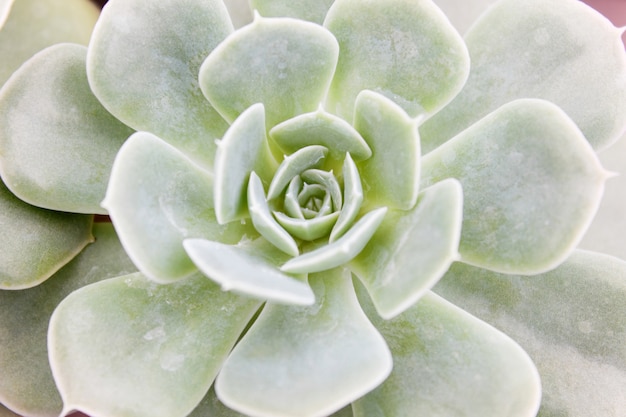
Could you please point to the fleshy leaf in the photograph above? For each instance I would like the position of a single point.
(341, 250)
(406, 50)
(447, 362)
(263, 220)
(33, 25)
(154, 349)
(307, 229)
(411, 250)
(570, 320)
(311, 10)
(541, 49)
(302, 160)
(157, 198)
(321, 128)
(249, 270)
(243, 149)
(26, 384)
(391, 176)
(143, 65)
(53, 158)
(531, 185)
(36, 242)
(285, 64)
(353, 197)
(329, 181)
(240, 14)
(306, 361)
(5, 9)
(463, 17)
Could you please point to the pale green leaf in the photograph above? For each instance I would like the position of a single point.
(411, 250)
(306, 361)
(143, 64)
(463, 14)
(311, 10)
(33, 25)
(542, 49)
(320, 128)
(263, 220)
(26, 385)
(307, 229)
(36, 242)
(571, 322)
(157, 198)
(250, 270)
(306, 158)
(240, 12)
(285, 64)
(58, 142)
(131, 347)
(531, 186)
(449, 363)
(404, 49)
(341, 250)
(243, 149)
(5, 9)
(353, 197)
(391, 176)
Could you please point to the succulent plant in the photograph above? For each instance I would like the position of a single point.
(318, 212)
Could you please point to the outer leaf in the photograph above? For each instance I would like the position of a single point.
(26, 385)
(243, 149)
(153, 349)
(306, 361)
(143, 65)
(404, 49)
(542, 49)
(449, 363)
(157, 198)
(250, 270)
(531, 184)
(35, 242)
(391, 175)
(58, 142)
(311, 10)
(412, 250)
(33, 25)
(571, 322)
(285, 64)
(463, 15)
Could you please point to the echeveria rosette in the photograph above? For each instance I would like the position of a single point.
(523, 182)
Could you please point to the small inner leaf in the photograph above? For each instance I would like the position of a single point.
(353, 193)
(341, 250)
(294, 164)
(243, 149)
(240, 271)
(321, 128)
(263, 220)
(328, 180)
(307, 229)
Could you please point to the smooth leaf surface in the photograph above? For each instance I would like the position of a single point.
(463, 15)
(36, 242)
(240, 12)
(570, 320)
(406, 50)
(143, 65)
(353, 197)
(285, 64)
(541, 49)
(306, 158)
(411, 250)
(33, 25)
(154, 349)
(157, 197)
(243, 149)
(391, 176)
(58, 142)
(307, 229)
(306, 361)
(449, 363)
(251, 270)
(311, 10)
(341, 250)
(26, 384)
(320, 128)
(5, 9)
(531, 186)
